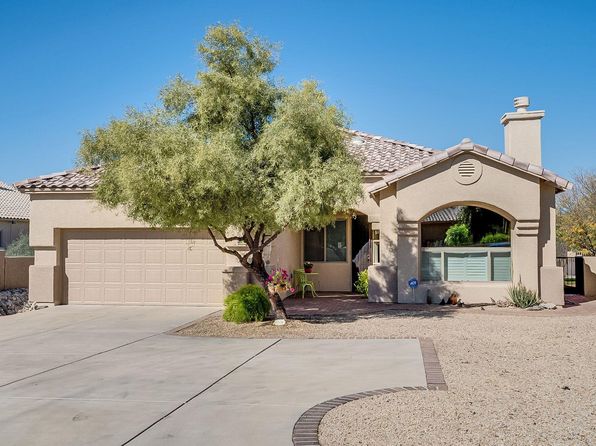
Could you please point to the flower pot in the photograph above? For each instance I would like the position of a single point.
(308, 270)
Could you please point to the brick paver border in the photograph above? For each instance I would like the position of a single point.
(306, 429)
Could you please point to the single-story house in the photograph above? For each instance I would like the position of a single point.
(14, 214)
(87, 254)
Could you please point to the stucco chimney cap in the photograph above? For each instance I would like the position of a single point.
(521, 103)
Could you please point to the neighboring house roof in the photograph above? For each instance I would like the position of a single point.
(380, 155)
(444, 215)
(69, 180)
(13, 204)
(467, 146)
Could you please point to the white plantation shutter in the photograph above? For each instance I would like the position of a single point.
(468, 266)
(501, 266)
(431, 266)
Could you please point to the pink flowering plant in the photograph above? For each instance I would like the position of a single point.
(279, 280)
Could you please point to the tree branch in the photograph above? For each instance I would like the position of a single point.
(228, 250)
(261, 245)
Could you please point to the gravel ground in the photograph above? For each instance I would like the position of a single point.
(514, 379)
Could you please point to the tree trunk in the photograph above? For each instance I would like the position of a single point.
(277, 305)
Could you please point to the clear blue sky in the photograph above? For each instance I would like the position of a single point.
(425, 72)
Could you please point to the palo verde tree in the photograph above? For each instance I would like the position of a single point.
(234, 153)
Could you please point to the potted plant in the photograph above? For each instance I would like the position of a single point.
(279, 281)
(308, 267)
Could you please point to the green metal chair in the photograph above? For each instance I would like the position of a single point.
(301, 281)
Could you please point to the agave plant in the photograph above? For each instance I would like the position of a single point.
(521, 296)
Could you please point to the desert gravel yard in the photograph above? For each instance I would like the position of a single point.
(514, 377)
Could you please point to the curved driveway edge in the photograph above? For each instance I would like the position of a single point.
(306, 429)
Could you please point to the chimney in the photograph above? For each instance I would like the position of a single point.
(522, 132)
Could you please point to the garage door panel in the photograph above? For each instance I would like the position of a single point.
(93, 273)
(133, 295)
(175, 295)
(154, 256)
(141, 267)
(175, 256)
(154, 294)
(133, 274)
(175, 276)
(113, 295)
(112, 274)
(195, 274)
(196, 255)
(154, 275)
(92, 294)
(133, 255)
(113, 255)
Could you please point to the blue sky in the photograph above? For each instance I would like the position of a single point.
(425, 72)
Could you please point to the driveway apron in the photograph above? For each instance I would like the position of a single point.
(110, 376)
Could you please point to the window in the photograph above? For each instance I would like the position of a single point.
(313, 245)
(327, 244)
(466, 264)
(376, 246)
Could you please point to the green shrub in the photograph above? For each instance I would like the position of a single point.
(522, 297)
(458, 235)
(19, 247)
(361, 284)
(250, 303)
(497, 237)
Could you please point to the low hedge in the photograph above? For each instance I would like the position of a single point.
(249, 304)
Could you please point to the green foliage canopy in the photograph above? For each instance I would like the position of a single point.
(458, 235)
(234, 152)
(20, 247)
(576, 214)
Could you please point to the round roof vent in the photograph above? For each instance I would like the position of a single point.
(467, 171)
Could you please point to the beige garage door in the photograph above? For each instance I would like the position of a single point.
(141, 267)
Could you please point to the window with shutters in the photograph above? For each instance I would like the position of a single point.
(474, 264)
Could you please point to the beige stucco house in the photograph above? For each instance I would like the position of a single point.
(87, 254)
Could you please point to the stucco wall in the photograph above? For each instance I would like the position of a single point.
(590, 276)
(52, 213)
(14, 271)
(520, 197)
(10, 230)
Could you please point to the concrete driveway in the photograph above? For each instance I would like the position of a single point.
(81, 375)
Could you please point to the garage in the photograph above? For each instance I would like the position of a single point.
(141, 267)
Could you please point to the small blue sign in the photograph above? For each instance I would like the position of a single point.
(413, 283)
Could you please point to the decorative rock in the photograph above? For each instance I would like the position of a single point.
(16, 300)
(543, 306)
(279, 322)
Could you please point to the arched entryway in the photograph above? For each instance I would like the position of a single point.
(464, 244)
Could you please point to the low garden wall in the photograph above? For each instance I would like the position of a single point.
(14, 271)
(590, 276)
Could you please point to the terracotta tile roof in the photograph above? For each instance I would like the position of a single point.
(13, 204)
(466, 145)
(444, 215)
(380, 155)
(70, 180)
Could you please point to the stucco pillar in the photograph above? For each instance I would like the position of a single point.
(382, 278)
(407, 261)
(524, 251)
(44, 285)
